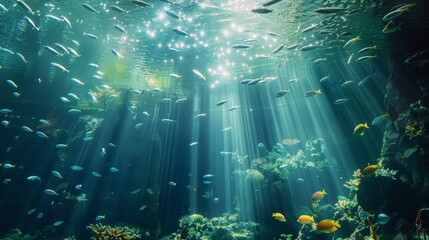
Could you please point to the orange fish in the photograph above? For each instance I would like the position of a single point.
(370, 170)
(279, 217)
(359, 129)
(327, 226)
(317, 196)
(305, 219)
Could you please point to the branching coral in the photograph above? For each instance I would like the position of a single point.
(414, 129)
(353, 184)
(386, 172)
(347, 209)
(106, 232)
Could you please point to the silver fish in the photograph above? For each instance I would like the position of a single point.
(62, 47)
(180, 32)
(67, 21)
(277, 49)
(173, 14)
(262, 10)
(121, 29)
(342, 101)
(90, 35)
(90, 8)
(30, 21)
(118, 9)
(25, 6)
(52, 50)
(55, 18)
(59, 66)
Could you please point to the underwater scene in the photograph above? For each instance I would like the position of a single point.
(214, 119)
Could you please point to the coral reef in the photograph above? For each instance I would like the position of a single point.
(280, 164)
(196, 226)
(106, 232)
(16, 234)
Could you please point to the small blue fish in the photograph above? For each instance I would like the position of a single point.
(76, 168)
(41, 135)
(73, 111)
(12, 83)
(100, 217)
(142, 207)
(117, 54)
(8, 165)
(78, 187)
(61, 146)
(96, 174)
(31, 211)
(5, 123)
(113, 169)
(393, 135)
(5, 111)
(39, 215)
(379, 119)
(207, 182)
(58, 223)
(409, 152)
(383, 218)
(33, 178)
(51, 192)
(87, 139)
(171, 183)
(56, 174)
(27, 129)
(300, 179)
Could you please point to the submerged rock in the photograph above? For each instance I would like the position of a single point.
(196, 226)
(262, 150)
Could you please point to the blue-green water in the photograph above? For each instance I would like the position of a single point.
(202, 119)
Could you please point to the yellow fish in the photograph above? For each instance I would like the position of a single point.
(317, 196)
(305, 219)
(359, 129)
(370, 170)
(327, 226)
(279, 217)
(351, 41)
(312, 93)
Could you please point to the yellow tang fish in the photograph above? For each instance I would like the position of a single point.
(279, 217)
(359, 129)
